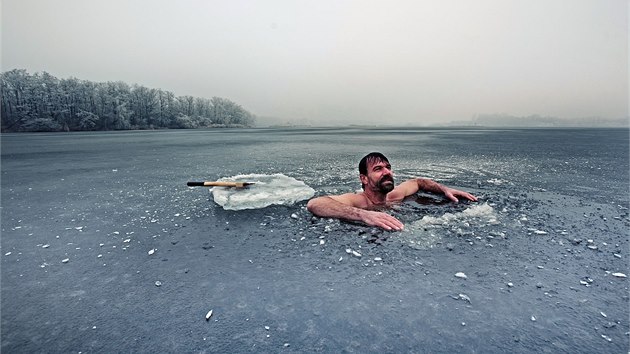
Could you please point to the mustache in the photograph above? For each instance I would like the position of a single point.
(386, 178)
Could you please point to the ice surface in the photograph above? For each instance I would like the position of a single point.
(268, 189)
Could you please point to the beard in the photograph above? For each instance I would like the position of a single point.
(386, 184)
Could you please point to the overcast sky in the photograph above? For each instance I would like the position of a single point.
(405, 62)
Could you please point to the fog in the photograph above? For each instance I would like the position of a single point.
(341, 62)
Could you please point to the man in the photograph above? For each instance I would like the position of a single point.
(377, 181)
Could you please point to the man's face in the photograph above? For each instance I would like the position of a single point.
(379, 177)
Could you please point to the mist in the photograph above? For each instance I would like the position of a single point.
(341, 62)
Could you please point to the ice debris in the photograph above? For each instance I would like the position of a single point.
(461, 275)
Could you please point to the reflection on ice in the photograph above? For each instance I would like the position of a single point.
(268, 189)
(428, 231)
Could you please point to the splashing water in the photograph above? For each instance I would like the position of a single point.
(268, 190)
(429, 231)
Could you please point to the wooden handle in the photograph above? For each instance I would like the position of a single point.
(219, 184)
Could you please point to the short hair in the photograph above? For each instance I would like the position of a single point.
(371, 157)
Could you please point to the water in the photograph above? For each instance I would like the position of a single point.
(552, 220)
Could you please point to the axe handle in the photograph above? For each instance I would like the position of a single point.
(218, 184)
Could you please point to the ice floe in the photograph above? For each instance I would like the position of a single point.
(268, 190)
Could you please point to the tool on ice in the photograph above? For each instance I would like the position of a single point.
(219, 184)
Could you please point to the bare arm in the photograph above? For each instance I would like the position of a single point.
(412, 186)
(349, 207)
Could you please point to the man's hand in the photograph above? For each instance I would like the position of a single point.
(382, 220)
(352, 206)
(452, 194)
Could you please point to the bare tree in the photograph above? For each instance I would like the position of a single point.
(41, 102)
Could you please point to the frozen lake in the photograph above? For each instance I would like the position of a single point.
(539, 248)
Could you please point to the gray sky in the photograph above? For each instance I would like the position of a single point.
(404, 62)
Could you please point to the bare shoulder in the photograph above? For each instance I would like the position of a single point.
(356, 200)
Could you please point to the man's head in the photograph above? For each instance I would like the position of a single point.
(375, 170)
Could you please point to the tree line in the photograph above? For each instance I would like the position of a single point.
(42, 102)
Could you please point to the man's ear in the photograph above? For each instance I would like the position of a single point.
(364, 179)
